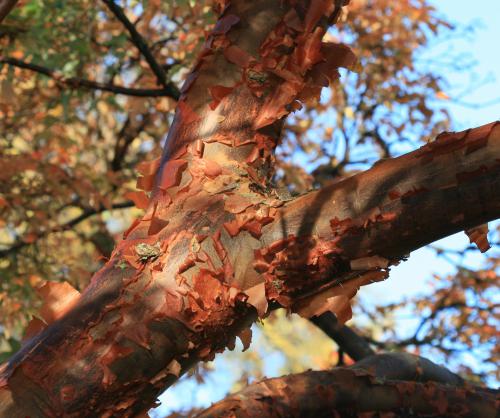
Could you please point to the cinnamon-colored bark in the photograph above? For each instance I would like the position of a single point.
(217, 247)
(404, 385)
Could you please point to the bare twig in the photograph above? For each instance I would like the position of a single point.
(351, 343)
(125, 137)
(139, 42)
(87, 213)
(75, 82)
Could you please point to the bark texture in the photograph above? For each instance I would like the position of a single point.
(217, 247)
(399, 384)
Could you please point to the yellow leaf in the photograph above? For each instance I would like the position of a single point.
(56, 111)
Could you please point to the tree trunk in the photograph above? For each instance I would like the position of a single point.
(217, 247)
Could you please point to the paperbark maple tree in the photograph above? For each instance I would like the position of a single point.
(219, 247)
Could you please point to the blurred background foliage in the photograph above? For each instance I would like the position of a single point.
(70, 140)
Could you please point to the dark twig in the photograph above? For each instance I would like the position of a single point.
(140, 44)
(75, 82)
(5, 8)
(87, 213)
(125, 137)
(348, 341)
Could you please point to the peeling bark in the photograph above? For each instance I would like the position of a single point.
(386, 212)
(217, 248)
(390, 383)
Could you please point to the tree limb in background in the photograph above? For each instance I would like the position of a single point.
(87, 213)
(348, 341)
(393, 383)
(75, 82)
(140, 43)
(124, 138)
(5, 7)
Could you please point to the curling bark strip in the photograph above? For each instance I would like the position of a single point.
(217, 247)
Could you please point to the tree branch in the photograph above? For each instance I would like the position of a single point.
(124, 138)
(87, 213)
(5, 7)
(348, 341)
(388, 211)
(140, 43)
(402, 384)
(75, 82)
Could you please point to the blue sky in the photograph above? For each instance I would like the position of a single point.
(483, 48)
(410, 277)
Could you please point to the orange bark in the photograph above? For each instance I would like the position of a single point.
(217, 247)
(396, 385)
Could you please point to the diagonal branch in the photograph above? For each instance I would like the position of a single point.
(348, 341)
(75, 82)
(5, 7)
(139, 42)
(373, 219)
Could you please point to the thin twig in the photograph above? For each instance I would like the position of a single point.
(140, 43)
(75, 82)
(87, 213)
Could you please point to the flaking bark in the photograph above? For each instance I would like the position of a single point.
(217, 247)
(399, 384)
